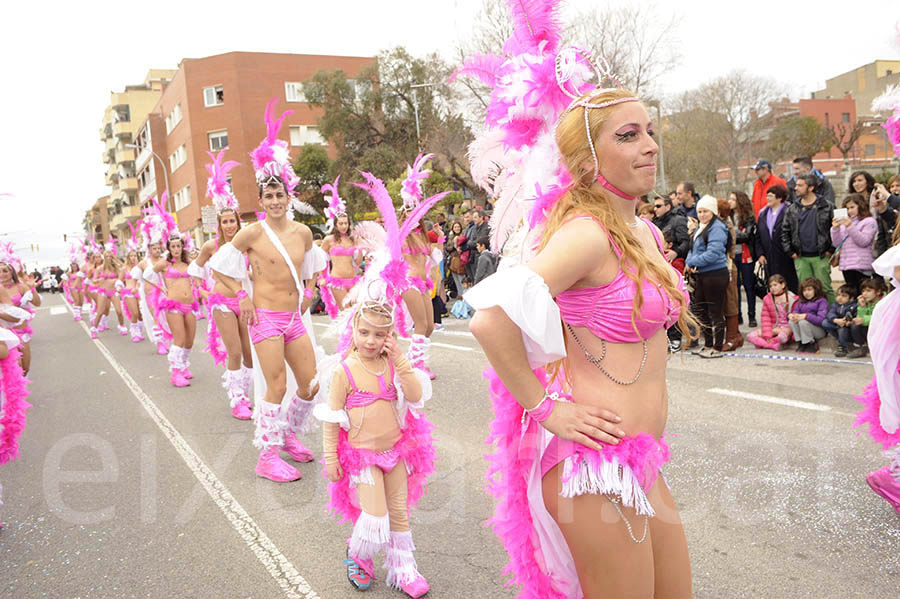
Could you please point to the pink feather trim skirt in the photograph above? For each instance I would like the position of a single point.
(217, 301)
(870, 415)
(342, 283)
(176, 307)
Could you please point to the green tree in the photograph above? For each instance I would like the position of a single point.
(372, 121)
(313, 167)
(798, 136)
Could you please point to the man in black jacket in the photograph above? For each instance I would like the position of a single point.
(478, 229)
(803, 165)
(806, 234)
(667, 220)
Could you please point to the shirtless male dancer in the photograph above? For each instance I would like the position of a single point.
(276, 248)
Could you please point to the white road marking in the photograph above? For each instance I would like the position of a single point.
(449, 346)
(770, 399)
(57, 310)
(277, 565)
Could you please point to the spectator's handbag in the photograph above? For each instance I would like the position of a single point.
(835, 259)
(463, 255)
(760, 280)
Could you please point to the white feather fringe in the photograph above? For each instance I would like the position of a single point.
(370, 535)
(611, 479)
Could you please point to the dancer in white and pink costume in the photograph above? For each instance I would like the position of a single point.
(881, 398)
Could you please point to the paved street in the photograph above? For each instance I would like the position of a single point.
(129, 488)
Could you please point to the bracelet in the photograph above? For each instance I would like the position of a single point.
(542, 411)
(308, 293)
(240, 295)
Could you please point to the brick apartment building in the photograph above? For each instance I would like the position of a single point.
(219, 101)
(126, 111)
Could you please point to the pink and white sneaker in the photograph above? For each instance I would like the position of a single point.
(93, 332)
(297, 450)
(123, 330)
(271, 466)
(187, 373)
(161, 348)
(417, 588)
(885, 486)
(241, 410)
(177, 379)
(77, 316)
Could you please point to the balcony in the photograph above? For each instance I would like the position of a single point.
(147, 191)
(112, 174)
(143, 157)
(124, 155)
(116, 221)
(104, 157)
(122, 129)
(111, 144)
(128, 184)
(131, 211)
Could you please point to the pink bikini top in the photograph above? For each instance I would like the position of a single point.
(172, 273)
(340, 250)
(107, 275)
(361, 399)
(417, 250)
(606, 310)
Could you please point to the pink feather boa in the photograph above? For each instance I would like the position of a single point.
(415, 447)
(506, 477)
(214, 345)
(331, 306)
(14, 406)
(869, 415)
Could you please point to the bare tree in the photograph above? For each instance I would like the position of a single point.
(739, 98)
(798, 136)
(845, 135)
(638, 41)
(693, 136)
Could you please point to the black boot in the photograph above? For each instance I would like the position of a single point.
(751, 321)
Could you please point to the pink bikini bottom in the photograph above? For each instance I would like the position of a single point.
(123, 293)
(271, 323)
(110, 293)
(346, 284)
(176, 307)
(217, 301)
(424, 286)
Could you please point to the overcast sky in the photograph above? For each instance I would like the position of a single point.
(60, 60)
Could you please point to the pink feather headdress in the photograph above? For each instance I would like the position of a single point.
(77, 252)
(411, 189)
(8, 255)
(336, 206)
(158, 225)
(271, 158)
(516, 159)
(134, 243)
(217, 187)
(111, 246)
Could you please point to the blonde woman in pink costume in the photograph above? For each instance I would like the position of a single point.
(178, 309)
(343, 253)
(106, 279)
(228, 341)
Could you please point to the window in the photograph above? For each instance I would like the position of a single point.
(173, 119)
(306, 134)
(845, 117)
(177, 158)
(293, 91)
(870, 149)
(213, 96)
(360, 87)
(183, 197)
(218, 140)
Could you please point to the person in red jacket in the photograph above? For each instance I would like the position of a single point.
(764, 180)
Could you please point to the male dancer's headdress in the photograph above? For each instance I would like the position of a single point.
(336, 206)
(411, 189)
(271, 160)
(217, 187)
(535, 82)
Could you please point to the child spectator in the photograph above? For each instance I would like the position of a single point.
(487, 262)
(461, 308)
(840, 317)
(669, 239)
(870, 292)
(775, 330)
(807, 315)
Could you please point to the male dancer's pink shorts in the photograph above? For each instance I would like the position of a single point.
(271, 323)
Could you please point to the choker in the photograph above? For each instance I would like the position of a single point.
(607, 185)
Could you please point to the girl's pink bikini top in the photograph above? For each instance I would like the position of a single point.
(361, 399)
(106, 275)
(340, 250)
(423, 250)
(606, 310)
(172, 273)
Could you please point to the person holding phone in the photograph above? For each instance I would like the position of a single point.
(853, 231)
(885, 204)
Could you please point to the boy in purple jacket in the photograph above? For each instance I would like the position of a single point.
(807, 315)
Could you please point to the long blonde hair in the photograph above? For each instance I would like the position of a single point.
(582, 200)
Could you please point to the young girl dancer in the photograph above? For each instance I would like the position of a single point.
(378, 450)
(575, 438)
(777, 305)
(178, 310)
(340, 246)
(228, 341)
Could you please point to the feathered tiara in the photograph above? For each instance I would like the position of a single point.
(411, 189)
(133, 244)
(77, 252)
(111, 246)
(217, 187)
(336, 206)
(516, 158)
(271, 159)
(158, 225)
(8, 255)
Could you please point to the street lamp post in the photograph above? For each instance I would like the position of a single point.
(415, 87)
(165, 174)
